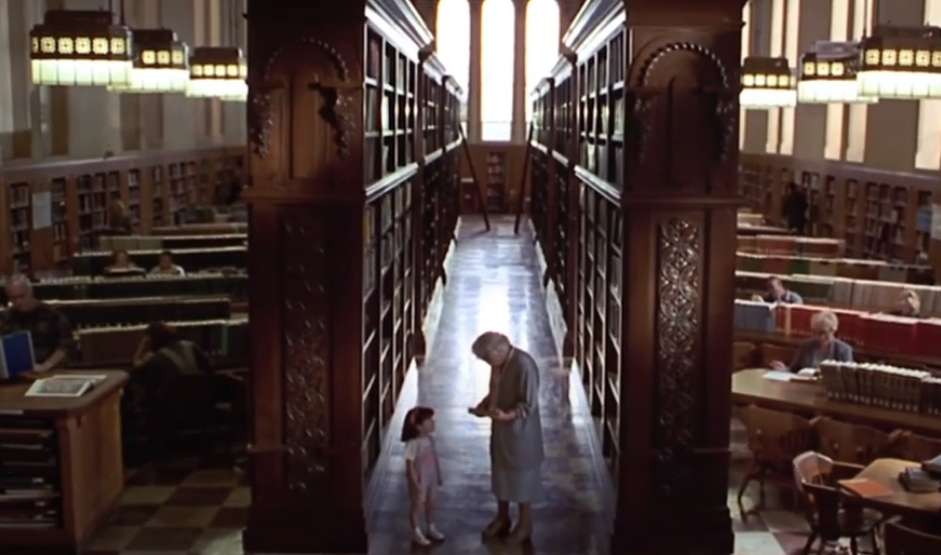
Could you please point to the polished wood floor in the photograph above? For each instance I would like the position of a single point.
(198, 506)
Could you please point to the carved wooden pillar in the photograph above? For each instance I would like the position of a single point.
(305, 258)
(679, 205)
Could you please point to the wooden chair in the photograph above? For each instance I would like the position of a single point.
(771, 353)
(900, 539)
(744, 355)
(774, 439)
(827, 513)
(913, 447)
(853, 443)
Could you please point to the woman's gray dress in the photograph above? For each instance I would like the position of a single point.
(516, 448)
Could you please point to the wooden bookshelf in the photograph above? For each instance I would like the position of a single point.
(880, 214)
(79, 193)
(409, 216)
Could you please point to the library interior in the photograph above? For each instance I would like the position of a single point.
(317, 234)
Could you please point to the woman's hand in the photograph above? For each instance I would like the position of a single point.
(778, 366)
(503, 416)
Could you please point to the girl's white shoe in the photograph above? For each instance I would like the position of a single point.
(418, 538)
(434, 533)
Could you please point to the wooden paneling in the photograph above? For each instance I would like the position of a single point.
(353, 203)
(634, 204)
(157, 187)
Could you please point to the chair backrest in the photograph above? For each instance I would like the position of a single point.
(902, 540)
(776, 437)
(771, 353)
(913, 447)
(852, 443)
(818, 499)
(744, 355)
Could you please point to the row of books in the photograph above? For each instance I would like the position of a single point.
(832, 267)
(170, 242)
(92, 313)
(868, 295)
(750, 218)
(233, 285)
(790, 245)
(223, 339)
(882, 385)
(94, 263)
(29, 474)
(875, 332)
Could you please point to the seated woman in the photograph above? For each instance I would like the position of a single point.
(166, 267)
(121, 264)
(822, 346)
(161, 361)
(909, 304)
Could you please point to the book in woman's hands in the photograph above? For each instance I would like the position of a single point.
(932, 465)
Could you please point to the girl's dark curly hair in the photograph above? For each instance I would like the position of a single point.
(413, 419)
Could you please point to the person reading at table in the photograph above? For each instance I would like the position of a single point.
(908, 304)
(778, 293)
(822, 346)
(49, 328)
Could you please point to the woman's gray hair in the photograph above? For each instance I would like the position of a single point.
(20, 279)
(488, 342)
(825, 320)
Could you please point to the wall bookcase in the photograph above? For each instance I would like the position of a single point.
(880, 214)
(410, 155)
(78, 197)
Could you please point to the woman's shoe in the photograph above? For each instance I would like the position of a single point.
(498, 527)
(520, 535)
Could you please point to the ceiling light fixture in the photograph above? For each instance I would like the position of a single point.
(218, 72)
(767, 83)
(828, 75)
(80, 48)
(161, 63)
(901, 63)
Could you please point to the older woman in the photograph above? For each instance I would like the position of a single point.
(909, 304)
(516, 448)
(822, 346)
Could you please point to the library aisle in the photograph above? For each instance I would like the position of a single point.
(493, 284)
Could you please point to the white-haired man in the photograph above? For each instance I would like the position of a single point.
(49, 328)
(516, 444)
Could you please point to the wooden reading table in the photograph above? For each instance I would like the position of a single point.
(73, 446)
(901, 502)
(750, 387)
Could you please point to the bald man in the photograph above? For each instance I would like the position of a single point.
(50, 330)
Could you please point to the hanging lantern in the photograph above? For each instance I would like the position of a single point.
(218, 72)
(161, 63)
(828, 75)
(767, 83)
(902, 62)
(80, 48)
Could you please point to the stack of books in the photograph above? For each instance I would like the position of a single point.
(917, 480)
(881, 385)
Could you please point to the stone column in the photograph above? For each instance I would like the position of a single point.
(474, 126)
(854, 135)
(307, 334)
(776, 26)
(180, 114)
(841, 26)
(520, 94)
(233, 33)
(679, 203)
(758, 28)
(928, 156)
(94, 114)
(891, 129)
(810, 120)
(25, 130)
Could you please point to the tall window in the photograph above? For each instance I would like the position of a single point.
(496, 71)
(542, 44)
(452, 27)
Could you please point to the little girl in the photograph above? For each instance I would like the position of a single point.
(422, 471)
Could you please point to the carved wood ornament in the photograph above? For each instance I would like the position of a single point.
(306, 347)
(336, 91)
(643, 100)
(679, 351)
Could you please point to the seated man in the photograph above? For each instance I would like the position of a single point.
(908, 304)
(777, 293)
(166, 267)
(50, 330)
(122, 264)
(822, 346)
